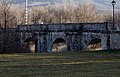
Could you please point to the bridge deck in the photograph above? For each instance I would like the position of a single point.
(64, 27)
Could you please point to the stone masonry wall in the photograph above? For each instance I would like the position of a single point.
(115, 41)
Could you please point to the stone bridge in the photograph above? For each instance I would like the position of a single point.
(77, 36)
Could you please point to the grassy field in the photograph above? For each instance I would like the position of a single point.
(67, 64)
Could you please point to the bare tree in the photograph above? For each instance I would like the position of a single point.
(4, 8)
(8, 22)
(87, 13)
(18, 13)
(82, 13)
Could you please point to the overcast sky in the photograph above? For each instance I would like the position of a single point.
(101, 4)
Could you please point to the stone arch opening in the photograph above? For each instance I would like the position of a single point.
(30, 45)
(94, 45)
(59, 45)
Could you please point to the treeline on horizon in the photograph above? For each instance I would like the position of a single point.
(82, 13)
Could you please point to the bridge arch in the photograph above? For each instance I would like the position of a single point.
(59, 45)
(94, 44)
(92, 39)
(30, 45)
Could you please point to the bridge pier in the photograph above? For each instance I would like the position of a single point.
(74, 41)
(38, 43)
(41, 42)
(105, 42)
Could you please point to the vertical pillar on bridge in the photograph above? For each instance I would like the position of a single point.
(69, 38)
(108, 42)
(38, 43)
(69, 44)
(41, 42)
(80, 33)
(21, 38)
(108, 36)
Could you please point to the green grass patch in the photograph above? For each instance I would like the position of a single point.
(65, 64)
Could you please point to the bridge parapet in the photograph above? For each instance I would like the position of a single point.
(63, 27)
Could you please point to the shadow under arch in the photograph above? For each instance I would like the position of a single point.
(30, 45)
(94, 45)
(59, 45)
